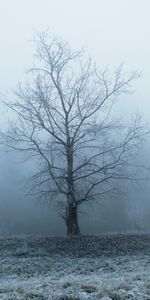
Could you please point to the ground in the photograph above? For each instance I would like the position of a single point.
(105, 267)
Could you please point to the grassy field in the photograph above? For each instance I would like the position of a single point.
(104, 267)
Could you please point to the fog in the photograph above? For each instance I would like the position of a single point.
(113, 32)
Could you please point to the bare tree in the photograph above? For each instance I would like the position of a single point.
(64, 120)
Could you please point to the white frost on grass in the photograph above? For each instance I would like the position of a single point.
(87, 268)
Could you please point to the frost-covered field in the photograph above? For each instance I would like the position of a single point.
(106, 267)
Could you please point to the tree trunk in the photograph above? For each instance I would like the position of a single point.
(72, 221)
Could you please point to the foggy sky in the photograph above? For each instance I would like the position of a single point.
(114, 32)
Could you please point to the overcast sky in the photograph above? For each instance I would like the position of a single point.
(114, 31)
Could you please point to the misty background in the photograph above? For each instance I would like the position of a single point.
(114, 32)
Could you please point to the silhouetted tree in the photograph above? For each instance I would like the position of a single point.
(64, 119)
